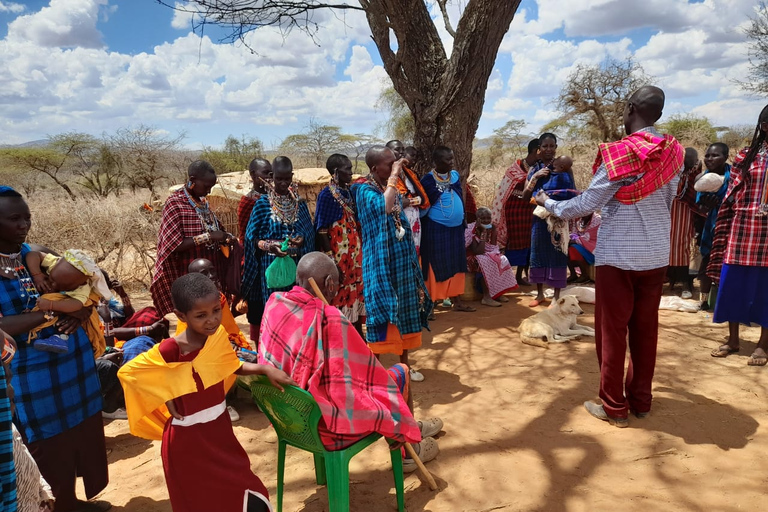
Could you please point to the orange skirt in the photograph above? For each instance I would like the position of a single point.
(395, 343)
(453, 287)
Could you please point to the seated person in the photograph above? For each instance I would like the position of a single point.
(127, 323)
(356, 394)
(483, 255)
(67, 283)
(582, 246)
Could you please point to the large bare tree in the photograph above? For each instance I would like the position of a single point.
(444, 94)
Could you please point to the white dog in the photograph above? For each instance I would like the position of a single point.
(556, 324)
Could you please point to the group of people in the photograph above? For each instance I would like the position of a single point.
(325, 297)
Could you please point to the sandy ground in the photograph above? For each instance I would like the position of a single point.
(516, 435)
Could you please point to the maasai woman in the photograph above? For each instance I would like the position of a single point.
(415, 200)
(189, 230)
(549, 266)
(742, 297)
(7, 433)
(483, 256)
(715, 160)
(58, 399)
(338, 235)
(261, 172)
(175, 391)
(682, 216)
(396, 301)
(512, 216)
(277, 215)
(443, 256)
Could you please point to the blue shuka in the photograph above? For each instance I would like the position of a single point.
(7, 473)
(543, 253)
(442, 239)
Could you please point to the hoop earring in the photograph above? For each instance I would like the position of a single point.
(189, 184)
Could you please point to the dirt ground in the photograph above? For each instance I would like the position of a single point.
(517, 437)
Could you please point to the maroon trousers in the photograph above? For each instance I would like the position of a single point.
(626, 309)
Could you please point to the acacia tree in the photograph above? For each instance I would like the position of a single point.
(317, 141)
(594, 97)
(506, 136)
(444, 94)
(757, 32)
(235, 155)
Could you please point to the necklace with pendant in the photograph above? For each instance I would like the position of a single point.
(12, 267)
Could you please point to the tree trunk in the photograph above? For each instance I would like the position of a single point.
(62, 185)
(445, 95)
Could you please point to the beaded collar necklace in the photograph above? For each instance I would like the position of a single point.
(443, 184)
(13, 267)
(203, 211)
(396, 209)
(346, 201)
(285, 208)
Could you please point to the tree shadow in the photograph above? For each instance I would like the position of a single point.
(126, 446)
(144, 504)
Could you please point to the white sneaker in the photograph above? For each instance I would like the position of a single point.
(233, 416)
(686, 295)
(416, 376)
(117, 414)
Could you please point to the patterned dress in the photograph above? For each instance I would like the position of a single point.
(335, 213)
(683, 208)
(499, 276)
(512, 216)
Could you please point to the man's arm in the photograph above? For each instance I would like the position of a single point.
(599, 192)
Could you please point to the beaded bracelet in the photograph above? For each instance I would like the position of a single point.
(203, 239)
(141, 331)
(392, 182)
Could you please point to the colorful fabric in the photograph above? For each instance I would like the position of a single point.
(654, 159)
(682, 215)
(708, 231)
(318, 347)
(143, 317)
(7, 466)
(54, 392)
(447, 205)
(244, 209)
(741, 296)
(346, 246)
(205, 466)
(559, 187)
(136, 346)
(497, 272)
(236, 337)
(32, 488)
(586, 235)
(511, 215)
(441, 290)
(394, 287)
(392, 342)
(180, 221)
(409, 186)
(149, 381)
(92, 324)
(265, 225)
(555, 277)
(470, 205)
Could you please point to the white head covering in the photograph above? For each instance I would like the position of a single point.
(82, 262)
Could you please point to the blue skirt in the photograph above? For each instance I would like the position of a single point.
(543, 253)
(743, 295)
(519, 257)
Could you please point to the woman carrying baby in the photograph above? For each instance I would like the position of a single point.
(549, 265)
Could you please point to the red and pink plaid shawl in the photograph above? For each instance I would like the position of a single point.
(657, 160)
(318, 347)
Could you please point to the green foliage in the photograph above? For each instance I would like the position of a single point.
(399, 124)
(506, 138)
(318, 141)
(690, 130)
(235, 155)
(738, 136)
(757, 33)
(32, 161)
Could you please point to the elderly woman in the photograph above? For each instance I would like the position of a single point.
(189, 230)
(278, 215)
(58, 400)
(338, 235)
(549, 265)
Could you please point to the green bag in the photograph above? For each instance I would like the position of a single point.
(281, 273)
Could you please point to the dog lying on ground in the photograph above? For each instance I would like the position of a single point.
(557, 324)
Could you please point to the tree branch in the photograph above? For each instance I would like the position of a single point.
(444, 9)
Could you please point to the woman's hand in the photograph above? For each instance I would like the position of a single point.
(406, 202)
(68, 324)
(219, 236)
(116, 356)
(543, 173)
(297, 242)
(172, 409)
(274, 248)
(278, 378)
(397, 167)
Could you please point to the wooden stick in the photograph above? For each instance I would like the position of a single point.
(408, 448)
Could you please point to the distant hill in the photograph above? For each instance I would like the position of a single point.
(31, 144)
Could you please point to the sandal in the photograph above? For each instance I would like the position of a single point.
(758, 360)
(535, 303)
(464, 308)
(430, 427)
(724, 351)
(428, 450)
(490, 302)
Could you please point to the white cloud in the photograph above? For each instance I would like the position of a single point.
(64, 23)
(182, 18)
(11, 7)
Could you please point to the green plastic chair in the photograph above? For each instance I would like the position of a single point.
(295, 415)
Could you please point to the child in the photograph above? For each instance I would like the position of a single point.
(498, 276)
(582, 246)
(68, 283)
(175, 392)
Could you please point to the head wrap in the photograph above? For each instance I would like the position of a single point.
(82, 262)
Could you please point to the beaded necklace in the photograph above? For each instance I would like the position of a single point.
(347, 202)
(396, 209)
(443, 186)
(11, 265)
(285, 208)
(203, 211)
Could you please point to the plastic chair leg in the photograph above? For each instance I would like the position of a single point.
(337, 470)
(320, 476)
(397, 470)
(280, 474)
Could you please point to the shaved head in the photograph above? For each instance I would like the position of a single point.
(376, 154)
(322, 269)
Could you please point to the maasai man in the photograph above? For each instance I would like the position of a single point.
(635, 180)
(415, 200)
(683, 212)
(715, 160)
(396, 302)
(188, 230)
(513, 216)
(742, 235)
(260, 171)
(549, 265)
(315, 345)
(443, 256)
(338, 235)
(279, 214)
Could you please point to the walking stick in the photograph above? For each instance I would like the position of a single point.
(408, 448)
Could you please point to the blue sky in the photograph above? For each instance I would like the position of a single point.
(99, 65)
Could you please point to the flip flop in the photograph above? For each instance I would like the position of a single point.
(757, 361)
(724, 351)
(464, 308)
(535, 303)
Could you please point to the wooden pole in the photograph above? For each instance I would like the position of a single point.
(408, 448)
